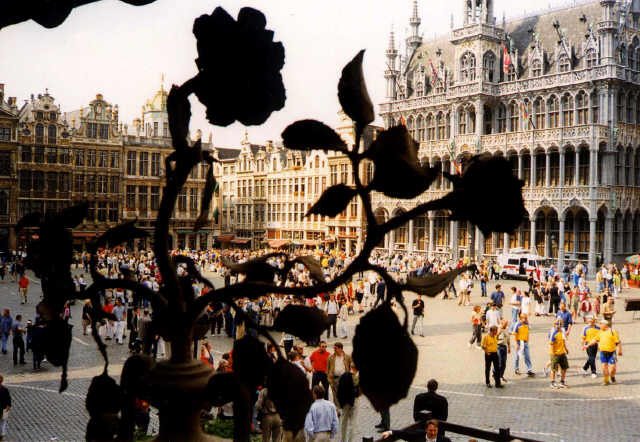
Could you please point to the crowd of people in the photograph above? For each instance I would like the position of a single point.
(498, 325)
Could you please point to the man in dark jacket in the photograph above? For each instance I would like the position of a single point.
(431, 401)
(428, 433)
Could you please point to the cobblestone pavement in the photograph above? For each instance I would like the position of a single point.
(527, 405)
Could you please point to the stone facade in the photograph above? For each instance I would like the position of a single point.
(564, 112)
(8, 175)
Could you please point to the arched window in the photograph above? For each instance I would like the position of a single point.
(511, 73)
(514, 117)
(419, 89)
(595, 108)
(52, 133)
(462, 122)
(582, 108)
(502, 118)
(420, 127)
(564, 64)
(631, 104)
(538, 113)
(39, 134)
(536, 68)
(553, 108)
(471, 128)
(431, 127)
(631, 55)
(621, 103)
(591, 58)
(411, 127)
(4, 203)
(567, 110)
(467, 67)
(441, 126)
(488, 66)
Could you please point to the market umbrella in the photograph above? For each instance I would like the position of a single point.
(633, 259)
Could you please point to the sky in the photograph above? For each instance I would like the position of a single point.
(121, 51)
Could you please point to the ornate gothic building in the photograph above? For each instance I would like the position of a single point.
(557, 95)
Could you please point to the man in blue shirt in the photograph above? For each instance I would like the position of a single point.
(567, 319)
(321, 423)
(497, 297)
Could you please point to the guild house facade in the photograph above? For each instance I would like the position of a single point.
(556, 94)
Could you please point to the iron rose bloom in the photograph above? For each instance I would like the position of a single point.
(239, 67)
(487, 194)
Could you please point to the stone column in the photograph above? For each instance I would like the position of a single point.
(592, 246)
(532, 181)
(479, 243)
(547, 239)
(430, 246)
(560, 244)
(608, 238)
(505, 247)
(392, 240)
(494, 242)
(479, 117)
(197, 241)
(547, 170)
(347, 245)
(520, 165)
(453, 239)
(574, 252)
(561, 166)
(410, 246)
(532, 237)
(593, 167)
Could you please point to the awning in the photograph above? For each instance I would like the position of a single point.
(277, 243)
(85, 234)
(225, 238)
(241, 241)
(306, 242)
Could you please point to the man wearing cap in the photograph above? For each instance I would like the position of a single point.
(608, 340)
(558, 352)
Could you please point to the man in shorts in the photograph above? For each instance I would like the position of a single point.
(558, 352)
(608, 340)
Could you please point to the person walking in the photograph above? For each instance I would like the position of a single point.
(516, 303)
(558, 351)
(608, 341)
(6, 321)
(17, 330)
(5, 406)
(270, 421)
(490, 347)
(23, 287)
(338, 364)
(589, 334)
(476, 326)
(319, 360)
(38, 343)
(348, 391)
(418, 315)
(504, 347)
(332, 308)
(321, 422)
(120, 312)
(521, 334)
(381, 289)
(493, 316)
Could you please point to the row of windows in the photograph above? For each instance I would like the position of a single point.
(97, 158)
(41, 155)
(52, 134)
(5, 133)
(41, 181)
(144, 197)
(100, 184)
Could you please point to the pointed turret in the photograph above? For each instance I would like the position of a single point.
(414, 40)
(391, 73)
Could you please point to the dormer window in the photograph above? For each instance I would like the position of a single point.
(536, 68)
(53, 116)
(564, 64)
(39, 116)
(511, 74)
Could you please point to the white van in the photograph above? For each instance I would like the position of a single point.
(519, 262)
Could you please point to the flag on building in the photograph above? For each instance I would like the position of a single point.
(507, 59)
(525, 114)
(402, 121)
(456, 165)
(434, 73)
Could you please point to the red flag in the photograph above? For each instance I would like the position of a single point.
(507, 59)
(402, 121)
(434, 72)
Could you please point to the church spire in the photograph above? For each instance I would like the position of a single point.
(414, 40)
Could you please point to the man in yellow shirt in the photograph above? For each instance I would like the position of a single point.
(589, 333)
(608, 340)
(490, 346)
(558, 352)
